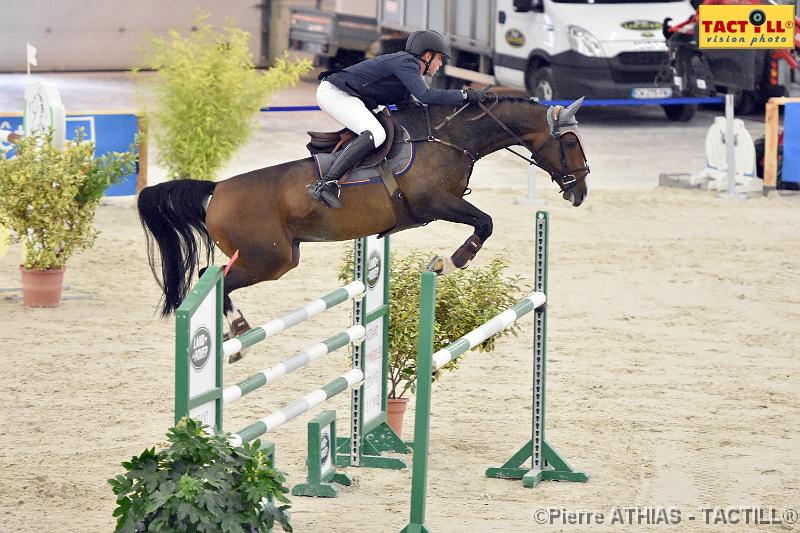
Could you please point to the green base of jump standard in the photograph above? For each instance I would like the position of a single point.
(322, 472)
(378, 440)
(556, 468)
(326, 489)
(415, 528)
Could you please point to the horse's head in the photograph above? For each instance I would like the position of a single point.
(551, 135)
(561, 153)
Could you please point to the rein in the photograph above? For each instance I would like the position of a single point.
(432, 138)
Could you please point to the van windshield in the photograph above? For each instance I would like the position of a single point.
(617, 1)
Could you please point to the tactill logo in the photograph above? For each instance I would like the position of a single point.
(746, 26)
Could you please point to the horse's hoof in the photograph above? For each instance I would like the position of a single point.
(441, 265)
(436, 265)
(238, 326)
(238, 355)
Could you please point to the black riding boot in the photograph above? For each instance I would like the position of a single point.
(326, 188)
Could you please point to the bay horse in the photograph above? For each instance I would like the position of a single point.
(265, 214)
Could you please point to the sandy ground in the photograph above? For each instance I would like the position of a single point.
(672, 377)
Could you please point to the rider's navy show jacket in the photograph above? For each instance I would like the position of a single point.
(389, 79)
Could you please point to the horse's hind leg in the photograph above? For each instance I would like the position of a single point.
(239, 277)
(237, 323)
(456, 209)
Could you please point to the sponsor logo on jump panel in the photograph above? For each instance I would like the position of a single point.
(200, 348)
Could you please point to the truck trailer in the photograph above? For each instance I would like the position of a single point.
(335, 38)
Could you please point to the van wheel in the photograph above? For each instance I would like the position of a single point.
(540, 83)
(680, 113)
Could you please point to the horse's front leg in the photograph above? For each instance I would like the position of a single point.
(456, 209)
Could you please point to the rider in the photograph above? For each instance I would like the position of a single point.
(348, 95)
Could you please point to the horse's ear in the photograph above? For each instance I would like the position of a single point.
(567, 114)
(572, 108)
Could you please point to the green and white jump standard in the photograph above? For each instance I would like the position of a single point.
(545, 464)
(199, 355)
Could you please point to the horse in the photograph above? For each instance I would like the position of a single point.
(264, 215)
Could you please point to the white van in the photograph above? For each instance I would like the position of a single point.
(556, 49)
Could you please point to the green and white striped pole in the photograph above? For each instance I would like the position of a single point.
(275, 326)
(353, 378)
(354, 334)
(533, 301)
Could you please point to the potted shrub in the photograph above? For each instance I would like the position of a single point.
(48, 198)
(200, 483)
(465, 299)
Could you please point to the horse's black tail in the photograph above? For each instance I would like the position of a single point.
(173, 215)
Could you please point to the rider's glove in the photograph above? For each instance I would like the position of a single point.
(472, 96)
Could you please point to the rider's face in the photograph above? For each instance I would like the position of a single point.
(436, 63)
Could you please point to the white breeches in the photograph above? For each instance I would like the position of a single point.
(349, 111)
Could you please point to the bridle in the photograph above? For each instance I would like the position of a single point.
(565, 179)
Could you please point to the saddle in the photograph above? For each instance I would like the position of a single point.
(391, 159)
(333, 141)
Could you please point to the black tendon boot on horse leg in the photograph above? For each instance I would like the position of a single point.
(326, 189)
(456, 209)
(237, 324)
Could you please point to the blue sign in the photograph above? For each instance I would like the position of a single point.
(110, 133)
(791, 144)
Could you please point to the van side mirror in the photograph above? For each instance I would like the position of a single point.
(523, 6)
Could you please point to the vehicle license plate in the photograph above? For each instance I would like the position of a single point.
(314, 48)
(651, 92)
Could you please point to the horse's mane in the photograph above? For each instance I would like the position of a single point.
(506, 94)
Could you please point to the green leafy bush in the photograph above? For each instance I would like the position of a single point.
(48, 196)
(465, 299)
(200, 483)
(204, 98)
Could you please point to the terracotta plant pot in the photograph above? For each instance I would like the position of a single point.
(395, 410)
(41, 288)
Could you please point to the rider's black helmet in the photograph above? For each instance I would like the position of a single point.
(420, 42)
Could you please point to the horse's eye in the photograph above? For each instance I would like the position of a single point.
(572, 144)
